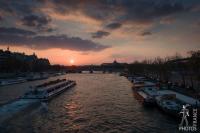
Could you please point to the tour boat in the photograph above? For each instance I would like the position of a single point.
(50, 89)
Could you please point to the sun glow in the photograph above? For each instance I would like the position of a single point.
(71, 61)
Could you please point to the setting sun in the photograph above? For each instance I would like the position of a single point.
(71, 61)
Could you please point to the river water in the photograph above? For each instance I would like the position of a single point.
(100, 103)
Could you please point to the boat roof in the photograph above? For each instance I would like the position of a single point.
(152, 91)
(51, 85)
(149, 83)
(51, 82)
(140, 77)
(181, 97)
(145, 84)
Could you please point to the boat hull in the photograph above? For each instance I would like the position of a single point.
(171, 112)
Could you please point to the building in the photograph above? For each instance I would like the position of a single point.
(114, 66)
(15, 61)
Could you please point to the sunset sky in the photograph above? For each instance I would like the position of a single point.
(96, 31)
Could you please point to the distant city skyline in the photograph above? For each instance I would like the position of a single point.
(93, 32)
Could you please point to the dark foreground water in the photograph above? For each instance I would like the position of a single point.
(100, 103)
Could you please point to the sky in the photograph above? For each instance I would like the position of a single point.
(84, 32)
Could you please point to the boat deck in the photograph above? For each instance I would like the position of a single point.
(51, 85)
(181, 97)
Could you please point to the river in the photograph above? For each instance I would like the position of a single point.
(100, 103)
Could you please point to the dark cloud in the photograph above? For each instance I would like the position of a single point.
(5, 6)
(26, 12)
(30, 14)
(145, 11)
(35, 21)
(113, 26)
(19, 8)
(15, 31)
(1, 18)
(100, 34)
(20, 38)
(142, 11)
(99, 10)
(146, 33)
(122, 10)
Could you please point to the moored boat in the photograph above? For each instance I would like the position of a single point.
(12, 81)
(37, 77)
(143, 98)
(146, 95)
(181, 97)
(91, 71)
(140, 84)
(169, 104)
